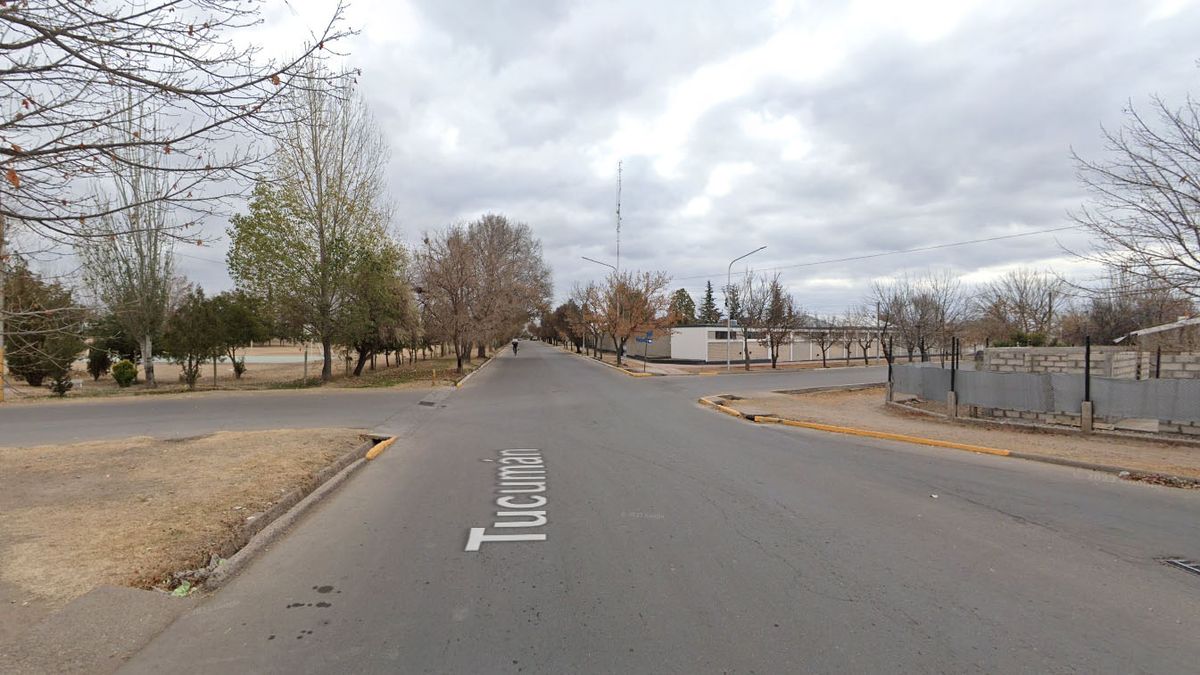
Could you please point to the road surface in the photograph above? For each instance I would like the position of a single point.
(182, 415)
(679, 540)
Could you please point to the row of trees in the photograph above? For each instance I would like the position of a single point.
(479, 284)
(916, 317)
(50, 330)
(621, 307)
(119, 113)
(314, 256)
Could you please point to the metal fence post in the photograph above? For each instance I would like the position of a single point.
(1087, 369)
(1085, 409)
(1158, 363)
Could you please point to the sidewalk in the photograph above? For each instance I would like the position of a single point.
(865, 409)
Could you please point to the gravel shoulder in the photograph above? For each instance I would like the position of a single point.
(865, 409)
(132, 512)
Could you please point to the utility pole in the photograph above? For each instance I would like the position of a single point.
(618, 267)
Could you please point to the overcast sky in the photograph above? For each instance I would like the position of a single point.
(822, 130)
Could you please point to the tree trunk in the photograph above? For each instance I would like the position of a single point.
(457, 355)
(363, 355)
(745, 351)
(214, 372)
(482, 351)
(326, 359)
(148, 360)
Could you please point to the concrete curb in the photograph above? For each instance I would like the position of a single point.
(609, 365)
(459, 384)
(1172, 480)
(270, 525)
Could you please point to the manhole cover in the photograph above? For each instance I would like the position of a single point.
(1182, 563)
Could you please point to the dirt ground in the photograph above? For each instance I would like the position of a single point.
(865, 409)
(257, 376)
(131, 512)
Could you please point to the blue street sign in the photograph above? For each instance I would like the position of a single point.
(649, 333)
(645, 340)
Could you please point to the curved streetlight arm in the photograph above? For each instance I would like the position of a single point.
(728, 312)
(614, 269)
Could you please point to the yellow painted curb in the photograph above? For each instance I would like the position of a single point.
(887, 436)
(380, 447)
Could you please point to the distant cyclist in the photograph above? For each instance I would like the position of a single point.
(514, 346)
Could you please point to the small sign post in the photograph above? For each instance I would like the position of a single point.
(649, 338)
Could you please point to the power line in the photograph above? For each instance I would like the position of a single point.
(907, 250)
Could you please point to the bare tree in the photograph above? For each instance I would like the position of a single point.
(824, 335)
(748, 308)
(1023, 302)
(445, 274)
(127, 254)
(1124, 303)
(866, 330)
(512, 279)
(925, 312)
(590, 319)
(64, 63)
(847, 335)
(634, 302)
(780, 316)
(1145, 197)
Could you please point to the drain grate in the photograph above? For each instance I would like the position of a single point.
(429, 403)
(1182, 563)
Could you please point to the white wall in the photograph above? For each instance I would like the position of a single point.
(689, 342)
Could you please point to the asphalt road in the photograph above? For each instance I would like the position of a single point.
(181, 415)
(679, 540)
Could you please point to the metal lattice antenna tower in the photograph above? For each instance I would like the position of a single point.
(619, 163)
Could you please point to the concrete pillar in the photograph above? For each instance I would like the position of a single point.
(952, 403)
(1085, 419)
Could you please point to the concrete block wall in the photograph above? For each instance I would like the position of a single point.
(1184, 428)
(1115, 362)
(1184, 366)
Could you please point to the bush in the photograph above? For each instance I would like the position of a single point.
(98, 363)
(33, 378)
(61, 383)
(124, 372)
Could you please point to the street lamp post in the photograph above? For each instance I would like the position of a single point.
(614, 269)
(728, 313)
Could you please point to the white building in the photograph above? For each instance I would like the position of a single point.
(708, 344)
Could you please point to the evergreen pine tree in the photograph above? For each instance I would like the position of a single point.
(708, 308)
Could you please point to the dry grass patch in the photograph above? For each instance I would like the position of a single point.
(131, 512)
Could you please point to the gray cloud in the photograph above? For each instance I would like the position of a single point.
(824, 133)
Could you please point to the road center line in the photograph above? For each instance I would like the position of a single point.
(521, 482)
